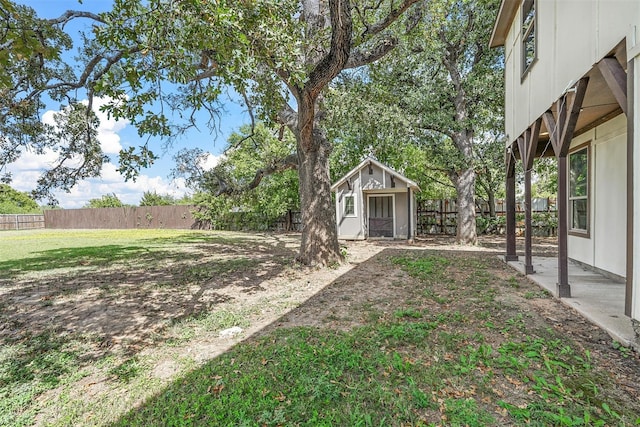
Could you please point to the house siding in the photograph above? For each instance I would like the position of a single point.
(635, 298)
(605, 249)
(571, 37)
(610, 216)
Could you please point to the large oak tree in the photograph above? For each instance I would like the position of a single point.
(160, 61)
(445, 87)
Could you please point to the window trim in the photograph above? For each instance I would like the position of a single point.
(355, 206)
(577, 232)
(524, 34)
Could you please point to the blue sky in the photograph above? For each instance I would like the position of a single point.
(114, 135)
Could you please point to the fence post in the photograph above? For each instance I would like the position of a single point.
(17, 223)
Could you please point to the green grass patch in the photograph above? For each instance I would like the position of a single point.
(446, 351)
(388, 373)
(33, 363)
(29, 367)
(425, 267)
(42, 250)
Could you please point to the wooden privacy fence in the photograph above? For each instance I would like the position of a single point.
(175, 217)
(433, 217)
(440, 216)
(21, 221)
(256, 221)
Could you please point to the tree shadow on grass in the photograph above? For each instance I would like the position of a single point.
(127, 295)
(194, 399)
(63, 310)
(376, 324)
(29, 367)
(70, 258)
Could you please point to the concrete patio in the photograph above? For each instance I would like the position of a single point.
(596, 297)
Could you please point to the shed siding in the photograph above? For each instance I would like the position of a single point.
(350, 227)
(365, 185)
(373, 181)
(401, 215)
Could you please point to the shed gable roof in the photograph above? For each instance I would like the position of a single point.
(411, 184)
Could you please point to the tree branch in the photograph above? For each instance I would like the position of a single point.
(433, 128)
(289, 117)
(289, 162)
(383, 24)
(362, 57)
(72, 14)
(332, 63)
(437, 181)
(91, 66)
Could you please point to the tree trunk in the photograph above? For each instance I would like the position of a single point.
(465, 184)
(319, 244)
(491, 195)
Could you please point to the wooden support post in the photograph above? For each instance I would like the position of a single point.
(527, 145)
(563, 288)
(561, 130)
(616, 79)
(409, 236)
(630, 187)
(528, 257)
(510, 208)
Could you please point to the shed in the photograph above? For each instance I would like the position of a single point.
(375, 201)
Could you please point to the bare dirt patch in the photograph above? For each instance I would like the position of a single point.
(158, 317)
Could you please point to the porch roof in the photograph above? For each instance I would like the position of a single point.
(599, 105)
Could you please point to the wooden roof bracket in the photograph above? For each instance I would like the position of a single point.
(616, 78)
(567, 109)
(528, 144)
(510, 160)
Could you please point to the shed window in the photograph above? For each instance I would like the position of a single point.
(528, 35)
(579, 191)
(350, 206)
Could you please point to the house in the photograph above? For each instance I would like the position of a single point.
(374, 201)
(572, 79)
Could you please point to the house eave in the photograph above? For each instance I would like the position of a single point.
(507, 13)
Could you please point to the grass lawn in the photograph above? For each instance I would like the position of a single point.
(122, 328)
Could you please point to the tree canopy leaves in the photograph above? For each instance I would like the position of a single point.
(16, 202)
(105, 201)
(249, 154)
(441, 90)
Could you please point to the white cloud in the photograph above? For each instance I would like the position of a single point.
(211, 161)
(107, 129)
(28, 168)
(31, 161)
(111, 182)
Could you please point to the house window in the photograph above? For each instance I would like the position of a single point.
(350, 206)
(528, 34)
(579, 191)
